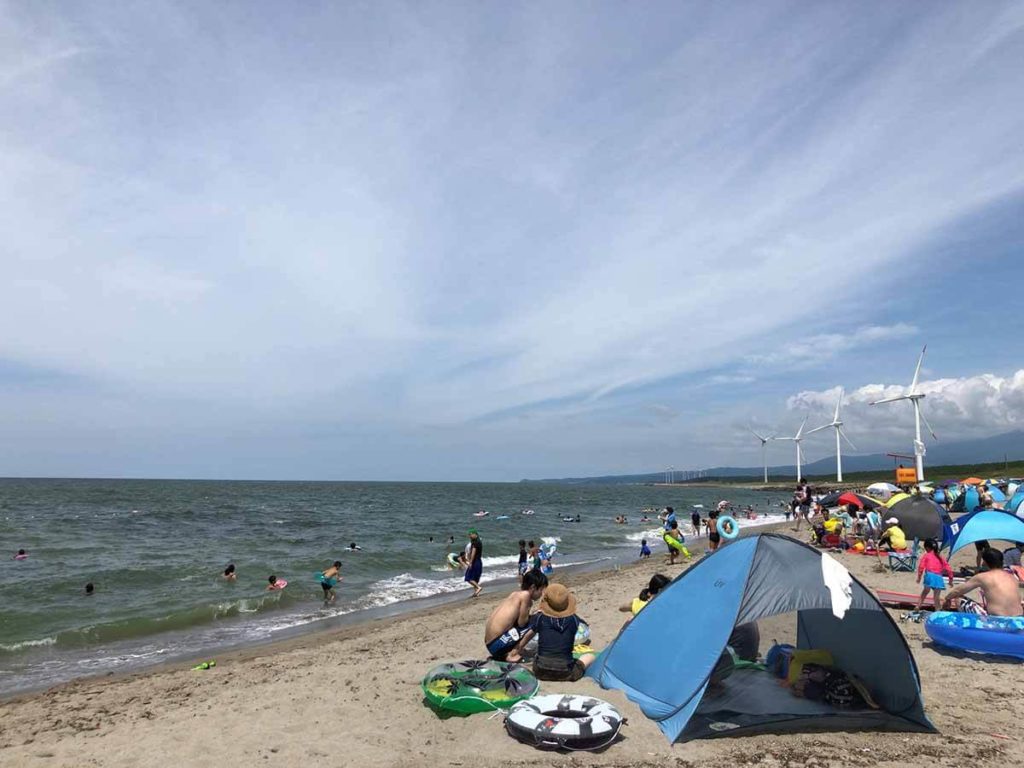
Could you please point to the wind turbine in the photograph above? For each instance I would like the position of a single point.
(796, 439)
(915, 397)
(837, 424)
(764, 450)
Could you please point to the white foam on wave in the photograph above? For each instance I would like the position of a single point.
(14, 647)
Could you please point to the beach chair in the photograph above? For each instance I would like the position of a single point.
(904, 561)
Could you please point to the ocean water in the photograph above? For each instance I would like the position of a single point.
(155, 551)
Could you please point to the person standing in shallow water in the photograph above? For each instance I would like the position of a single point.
(474, 562)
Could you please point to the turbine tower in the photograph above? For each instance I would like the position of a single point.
(837, 424)
(915, 398)
(796, 439)
(764, 450)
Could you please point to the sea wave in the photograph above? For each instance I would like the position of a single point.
(131, 628)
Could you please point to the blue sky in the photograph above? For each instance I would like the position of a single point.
(492, 241)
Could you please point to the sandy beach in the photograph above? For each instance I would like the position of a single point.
(352, 697)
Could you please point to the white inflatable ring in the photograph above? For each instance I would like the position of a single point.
(721, 527)
(559, 721)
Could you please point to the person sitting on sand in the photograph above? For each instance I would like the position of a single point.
(932, 566)
(893, 538)
(657, 583)
(1011, 555)
(329, 580)
(273, 583)
(985, 497)
(999, 590)
(555, 625)
(645, 551)
(511, 618)
(230, 574)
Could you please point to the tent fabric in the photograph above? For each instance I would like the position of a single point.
(1016, 504)
(920, 517)
(996, 494)
(967, 502)
(985, 525)
(896, 498)
(663, 658)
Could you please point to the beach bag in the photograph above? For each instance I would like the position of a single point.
(777, 659)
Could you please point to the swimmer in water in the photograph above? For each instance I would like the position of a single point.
(22, 555)
(229, 573)
(354, 548)
(89, 588)
(329, 580)
(273, 583)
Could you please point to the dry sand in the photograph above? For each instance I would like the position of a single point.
(352, 697)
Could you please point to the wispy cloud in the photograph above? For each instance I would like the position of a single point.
(428, 220)
(821, 348)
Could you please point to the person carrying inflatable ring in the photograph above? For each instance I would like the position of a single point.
(675, 541)
(727, 527)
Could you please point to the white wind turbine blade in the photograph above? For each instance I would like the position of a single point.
(835, 419)
(800, 432)
(917, 371)
(849, 442)
(818, 429)
(760, 437)
(890, 400)
(925, 420)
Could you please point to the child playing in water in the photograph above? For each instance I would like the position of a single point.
(329, 580)
(274, 584)
(229, 573)
(645, 551)
(933, 566)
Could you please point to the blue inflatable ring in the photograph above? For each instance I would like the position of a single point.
(996, 635)
(721, 527)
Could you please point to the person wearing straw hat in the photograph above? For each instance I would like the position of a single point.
(555, 625)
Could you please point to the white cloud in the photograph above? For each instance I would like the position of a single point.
(956, 408)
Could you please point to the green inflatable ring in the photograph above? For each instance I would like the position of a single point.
(478, 686)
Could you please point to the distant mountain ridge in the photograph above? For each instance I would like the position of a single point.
(981, 451)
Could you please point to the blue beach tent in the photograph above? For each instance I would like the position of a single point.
(663, 659)
(967, 501)
(985, 525)
(1015, 505)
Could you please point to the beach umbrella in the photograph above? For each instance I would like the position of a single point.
(985, 525)
(882, 490)
(920, 518)
(896, 499)
(859, 500)
(973, 481)
(830, 499)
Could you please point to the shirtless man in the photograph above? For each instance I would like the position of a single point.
(999, 589)
(511, 618)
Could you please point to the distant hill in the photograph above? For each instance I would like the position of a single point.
(982, 451)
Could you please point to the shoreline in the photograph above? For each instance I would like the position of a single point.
(336, 697)
(115, 660)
